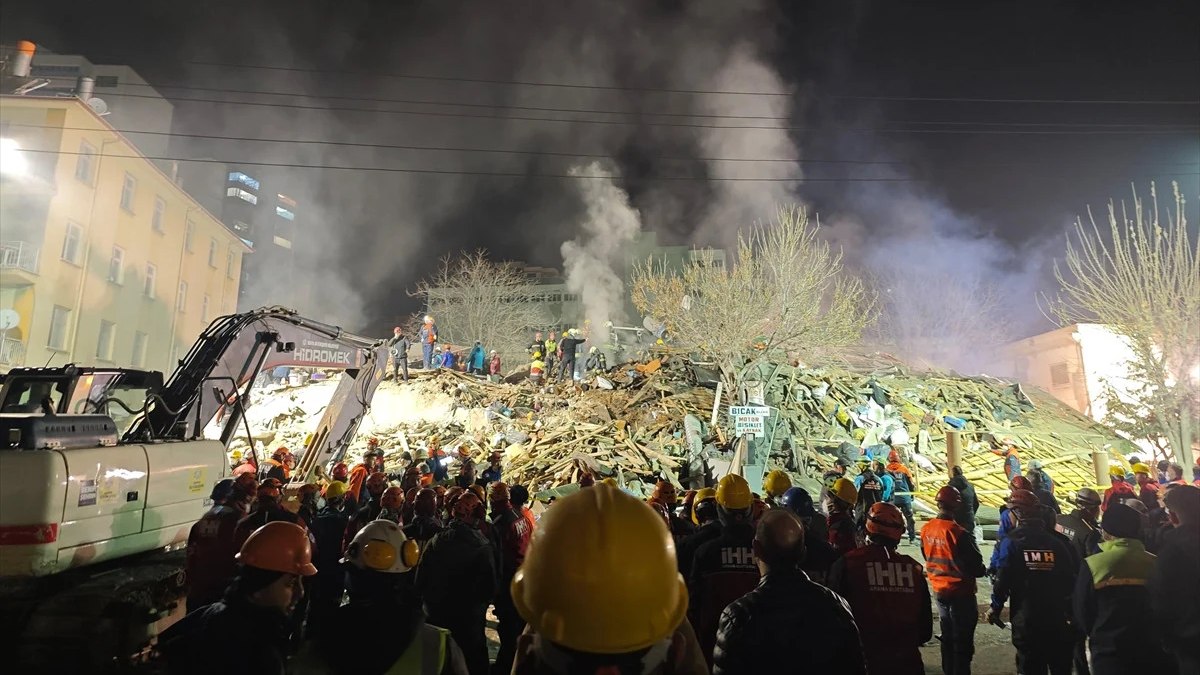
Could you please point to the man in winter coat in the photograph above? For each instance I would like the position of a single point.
(964, 514)
(568, 345)
(953, 562)
(514, 533)
(1120, 489)
(1174, 579)
(1037, 571)
(903, 482)
(708, 527)
(1112, 603)
(372, 462)
(819, 556)
(881, 586)
(458, 580)
(211, 543)
(428, 337)
(475, 359)
(267, 508)
(787, 618)
(843, 535)
(398, 348)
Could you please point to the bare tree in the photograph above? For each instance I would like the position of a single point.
(1140, 276)
(473, 298)
(785, 291)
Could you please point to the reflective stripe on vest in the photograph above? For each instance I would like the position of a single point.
(425, 656)
(939, 540)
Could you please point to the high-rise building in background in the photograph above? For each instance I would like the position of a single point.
(264, 216)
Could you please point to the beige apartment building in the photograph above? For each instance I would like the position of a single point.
(105, 259)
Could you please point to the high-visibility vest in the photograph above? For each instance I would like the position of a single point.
(939, 541)
(425, 656)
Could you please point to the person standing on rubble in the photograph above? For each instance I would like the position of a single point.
(904, 484)
(964, 515)
(513, 532)
(1043, 492)
(870, 489)
(1120, 489)
(551, 351)
(279, 466)
(372, 461)
(538, 346)
(429, 337)
(494, 364)
(840, 523)
(568, 345)
(425, 522)
(537, 368)
(475, 359)
(596, 363)
(953, 563)
(398, 348)
(457, 579)
(1007, 522)
(494, 470)
(1012, 459)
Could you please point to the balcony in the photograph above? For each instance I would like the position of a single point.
(12, 352)
(18, 263)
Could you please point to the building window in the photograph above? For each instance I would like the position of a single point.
(116, 266)
(239, 177)
(204, 309)
(104, 344)
(156, 220)
(128, 190)
(72, 243)
(85, 162)
(284, 243)
(212, 253)
(242, 195)
(181, 299)
(60, 318)
(189, 236)
(151, 282)
(240, 227)
(230, 258)
(1060, 375)
(284, 213)
(140, 342)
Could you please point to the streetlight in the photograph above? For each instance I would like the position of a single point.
(12, 160)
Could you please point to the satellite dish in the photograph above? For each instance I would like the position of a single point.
(9, 318)
(98, 106)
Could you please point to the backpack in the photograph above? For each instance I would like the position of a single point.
(901, 480)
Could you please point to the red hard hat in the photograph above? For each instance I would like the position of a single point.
(426, 503)
(499, 492)
(245, 484)
(885, 520)
(377, 480)
(466, 506)
(278, 546)
(340, 472)
(893, 456)
(1019, 482)
(1022, 499)
(949, 496)
(410, 495)
(269, 488)
(392, 499)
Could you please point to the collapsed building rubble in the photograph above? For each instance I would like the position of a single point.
(644, 423)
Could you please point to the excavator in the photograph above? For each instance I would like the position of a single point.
(103, 471)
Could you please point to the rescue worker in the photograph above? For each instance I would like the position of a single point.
(1037, 571)
(665, 494)
(723, 569)
(596, 363)
(708, 527)
(372, 506)
(840, 523)
(537, 369)
(1036, 467)
(211, 544)
(827, 480)
(307, 510)
(787, 614)
(279, 466)
(775, 484)
(398, 347)
(953, 562)
(457, 580)
(429, 338)
(903, 485)
(341, 474)
(391, 506)
(475, 359)
(568, 345)
(378, 563)
(870, 492)
(328, 531)
(1012, 458)
(372, 462)
(1038, 486)
(601, 592)
(539, 345)
(1120, 489)
(425, 522)
(1082, 525)
(519, 494)
(513, 532)
(969, 506)
(494, 470)
(1112, 603)
(1006, 522)
(551, 352)
(1174, 578)
(254, 611)
(267, 508)
(819, 556)
(881, 585)
(1148, 488)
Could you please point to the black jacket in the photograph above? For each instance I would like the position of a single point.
(1083, 532)
(1175, 578)
(964, 515)
(723, 570)
(788, 624)
(457, 573)
(423, 528)
(229, 634)
(329, 531)
(686, 551)
(819, 556)
(1037, 569)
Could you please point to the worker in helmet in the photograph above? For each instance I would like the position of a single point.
(457, 579)
(551, 352)
(538, 347)
(707, 524)
(398, 347)
(775, 483)
(787, 619)
(965, 515)
(596, 363)
(372, 506)
(1175, 578)
(1041, 489)
(255, 609)
(567, 348)
(886, 591)
(903, 485)
(513, 533)
(307, 509)
(1148, 489)
(1012, 458)
(1120, 489)
(537, 369)
(665, 494)
(391, 505)
(429, 337)
(843, 535)
(267, 508)
(328, 531)
(827, 480)
(519, 495)
(425, 521)
(953, 563)
(372, 462)
(1007, 522)
(819, 556)
(279, 466)
(378, 562)
(495, 468)
(872, 487)
(1037, 572)
(723, 569)
(211, 547)
(601, 591)
(1082, 527)
(494, 364)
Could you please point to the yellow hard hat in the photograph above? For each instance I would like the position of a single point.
(1141, 468)
(1116, 471)
(610, 481)
(579, 586)
(733, 493)
(701, 495)
(843, 489)
(776, 483)
(335, 489)
(236, 455)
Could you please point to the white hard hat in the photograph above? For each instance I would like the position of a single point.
(428, 319)
(381, 546)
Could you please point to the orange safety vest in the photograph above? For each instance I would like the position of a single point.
(358, 475)
(939, 543)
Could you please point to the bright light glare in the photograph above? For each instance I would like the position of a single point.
(12, 161)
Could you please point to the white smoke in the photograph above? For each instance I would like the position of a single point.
(590, 260)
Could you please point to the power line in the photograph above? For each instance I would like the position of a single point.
(566, 85)
(639, 113)
(572, 155)
(425, 113)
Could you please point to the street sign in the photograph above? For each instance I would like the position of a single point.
(749, 411)
(749, 420)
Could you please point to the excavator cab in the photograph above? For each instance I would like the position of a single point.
(119, 393)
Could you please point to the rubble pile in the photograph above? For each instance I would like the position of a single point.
(653, 421)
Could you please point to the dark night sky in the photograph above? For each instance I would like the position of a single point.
(1011, 193)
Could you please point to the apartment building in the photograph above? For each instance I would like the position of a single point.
(105, 259)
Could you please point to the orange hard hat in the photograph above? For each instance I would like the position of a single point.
(280, 454)
(467, 506)
(278, 546)
(392, 499)
(664, 492)
(452, 495)
(377, 481)
(372, 442)
(893, 456)
(1022, 500)
(1019, 482)
(269, 488)
(885, 520)
(410, 495)
(949, 496)
(425, 503)
(661, 510)
(499, 491)
(479, 492)
(246, 484)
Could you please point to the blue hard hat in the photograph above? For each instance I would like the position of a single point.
(798, 501)
(222, 490)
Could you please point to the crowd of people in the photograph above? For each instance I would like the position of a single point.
(395, 573)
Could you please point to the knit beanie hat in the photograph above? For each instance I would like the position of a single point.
(1121, 521)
